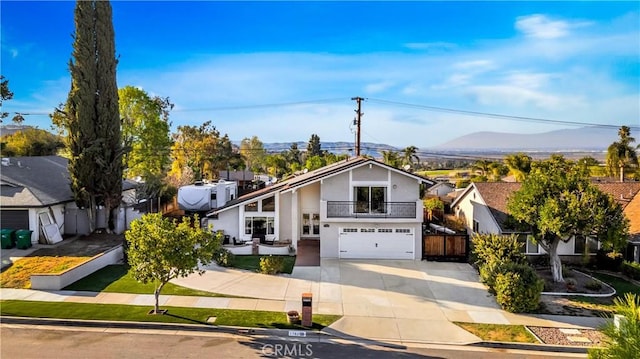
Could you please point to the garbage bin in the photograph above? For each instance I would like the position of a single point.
(23, 238)
(7, 237)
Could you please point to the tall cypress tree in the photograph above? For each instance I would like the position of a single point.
(92, 118)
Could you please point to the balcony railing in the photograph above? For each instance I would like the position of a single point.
(346, 209)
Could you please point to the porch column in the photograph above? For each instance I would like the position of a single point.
(295, 220)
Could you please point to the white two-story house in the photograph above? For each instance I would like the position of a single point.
(356, 208)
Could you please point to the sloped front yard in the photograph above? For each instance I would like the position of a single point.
(57, 259)
(19, 274)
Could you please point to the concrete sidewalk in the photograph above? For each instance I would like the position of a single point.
(388, 301)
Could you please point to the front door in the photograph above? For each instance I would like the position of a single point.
(310, 224)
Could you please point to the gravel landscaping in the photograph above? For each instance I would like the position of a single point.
(574, 337)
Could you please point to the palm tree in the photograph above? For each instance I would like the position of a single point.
(482, 166)
(621, 154)
(391, 158)
(409, 156)
(519, 165)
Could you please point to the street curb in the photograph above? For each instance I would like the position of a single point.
(206, 328)
(282, 333)
(532, 347)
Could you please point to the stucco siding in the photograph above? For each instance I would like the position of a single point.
(403, 188)
(284, 217)
(329, 240)
(228, 221)
(370, 173)
(336, 188)
(310, 198)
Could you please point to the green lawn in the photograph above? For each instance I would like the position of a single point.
(605, 306)
(252, 263)
(137, 313)
(621, 286)
(117, 278)
(499, 332)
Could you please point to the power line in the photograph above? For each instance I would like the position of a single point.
(386, 102)
(495, 115)
(268, 105)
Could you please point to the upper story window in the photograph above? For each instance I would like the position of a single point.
(251, 207)
(370, 199)
(269, 204)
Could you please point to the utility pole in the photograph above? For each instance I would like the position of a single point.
(358, 122)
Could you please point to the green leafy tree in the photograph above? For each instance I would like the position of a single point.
(31, 142)
(90, 116)
(276, 164)
(330, 158)
(294, 158)
(253, 152)
(482, 166)
(145, 133)
(557, 201)
(621, 155)
(314, 146)
(622, 342)
(519, 165)
(497, 170)
(199, 151)
(5, 94)
(159, 250)
(315, 162)
(431, 205)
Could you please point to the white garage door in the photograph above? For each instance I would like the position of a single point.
(377, 243)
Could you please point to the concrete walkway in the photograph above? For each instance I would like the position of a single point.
(385, 300)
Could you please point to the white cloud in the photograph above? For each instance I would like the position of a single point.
(540, 26)
(432, 46)
(378, 87)
(561, 77)
(528, 80)
(509, 96)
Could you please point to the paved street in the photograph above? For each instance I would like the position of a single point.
(26, 342)
(395, 301)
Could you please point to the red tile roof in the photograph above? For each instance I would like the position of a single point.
(496, 196)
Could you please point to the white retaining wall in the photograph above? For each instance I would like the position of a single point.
(61, 280)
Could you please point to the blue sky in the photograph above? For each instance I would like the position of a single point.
(221, 61)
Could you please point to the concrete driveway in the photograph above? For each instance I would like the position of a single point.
(405, 300)
(400, 300)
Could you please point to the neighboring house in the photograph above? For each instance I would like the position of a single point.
(35, 194)
(243, 178)
(441, 189)
(483, 207)
(356, 208)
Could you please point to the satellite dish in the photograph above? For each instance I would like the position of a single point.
(406, 167)
(305, 170)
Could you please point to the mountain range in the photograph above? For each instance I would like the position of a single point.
(579, 139)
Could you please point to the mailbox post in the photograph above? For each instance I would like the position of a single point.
(307, 308)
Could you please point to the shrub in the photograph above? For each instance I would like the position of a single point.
(271, 265)
(518, 288)
(609, 260)
(224, 258)
(492, 248)
(566, 272)
(631, 269)
(594, 285)
(493, 252)
(622, 342)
